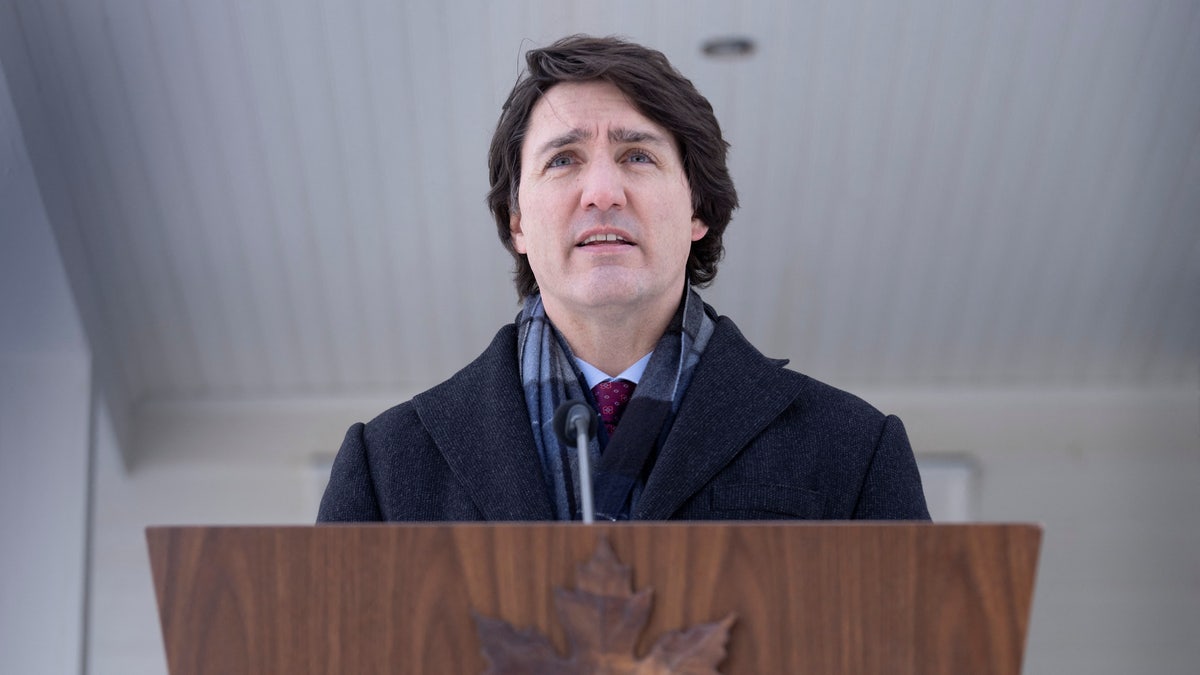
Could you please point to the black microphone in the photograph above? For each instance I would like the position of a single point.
(575, 423)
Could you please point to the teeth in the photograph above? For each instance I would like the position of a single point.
(602, 237)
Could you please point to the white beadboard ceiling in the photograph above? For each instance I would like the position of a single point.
(262, 199)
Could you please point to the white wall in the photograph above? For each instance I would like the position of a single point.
(45, 393)
(1111, 475)
(235, 462)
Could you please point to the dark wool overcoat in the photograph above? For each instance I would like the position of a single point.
(752, 441)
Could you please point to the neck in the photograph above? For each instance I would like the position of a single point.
(613, 338)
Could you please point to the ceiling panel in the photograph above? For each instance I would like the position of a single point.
(286, 198)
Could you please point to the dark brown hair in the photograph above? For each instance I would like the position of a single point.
(659, 92)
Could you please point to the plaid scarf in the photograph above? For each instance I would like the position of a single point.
(621, 464)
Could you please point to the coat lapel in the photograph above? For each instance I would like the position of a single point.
(479, 422)
(735, 393)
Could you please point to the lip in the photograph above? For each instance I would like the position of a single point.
(627, 239)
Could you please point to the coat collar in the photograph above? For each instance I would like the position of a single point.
(491, 452)
(710, 430)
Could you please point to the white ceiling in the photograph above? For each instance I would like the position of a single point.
(285, 198)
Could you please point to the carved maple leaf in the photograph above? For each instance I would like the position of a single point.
(603, 619)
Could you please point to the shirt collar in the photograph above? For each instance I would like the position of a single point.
(595, 376)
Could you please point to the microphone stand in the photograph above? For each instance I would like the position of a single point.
(578, 418)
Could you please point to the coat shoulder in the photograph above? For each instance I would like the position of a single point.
(831, 403)
(495, 367)
(455, 390)
(814, 397)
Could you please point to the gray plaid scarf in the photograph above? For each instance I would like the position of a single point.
(621, 464)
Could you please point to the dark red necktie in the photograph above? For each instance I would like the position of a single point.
(612, 397)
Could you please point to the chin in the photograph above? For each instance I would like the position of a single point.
(606, 297)
(609, 287)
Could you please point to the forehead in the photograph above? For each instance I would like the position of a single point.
(593, 108)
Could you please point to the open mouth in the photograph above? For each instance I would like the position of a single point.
(605, 239)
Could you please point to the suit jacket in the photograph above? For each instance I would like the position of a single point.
(751, 441)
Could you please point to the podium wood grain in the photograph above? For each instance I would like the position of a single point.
(809, 598)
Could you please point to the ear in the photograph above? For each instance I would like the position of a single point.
(699, 229)
(518, 236)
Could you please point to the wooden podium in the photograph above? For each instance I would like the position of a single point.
(769, 598)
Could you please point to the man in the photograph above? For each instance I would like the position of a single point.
(610, 189)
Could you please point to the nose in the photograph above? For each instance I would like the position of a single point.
(603, 186)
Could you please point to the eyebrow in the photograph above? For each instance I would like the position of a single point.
(617, 135)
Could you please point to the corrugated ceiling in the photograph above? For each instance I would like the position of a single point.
(286, 198)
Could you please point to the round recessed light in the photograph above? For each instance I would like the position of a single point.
(728, 47)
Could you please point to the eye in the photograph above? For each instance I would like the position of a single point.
(560, 160)
(639, 157)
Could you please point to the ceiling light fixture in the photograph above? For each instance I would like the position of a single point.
(728, 47)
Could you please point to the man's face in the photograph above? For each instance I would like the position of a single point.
(605, 212)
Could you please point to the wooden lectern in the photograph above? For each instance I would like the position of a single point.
(790, 598)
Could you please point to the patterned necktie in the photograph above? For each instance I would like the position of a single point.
(612, 396)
